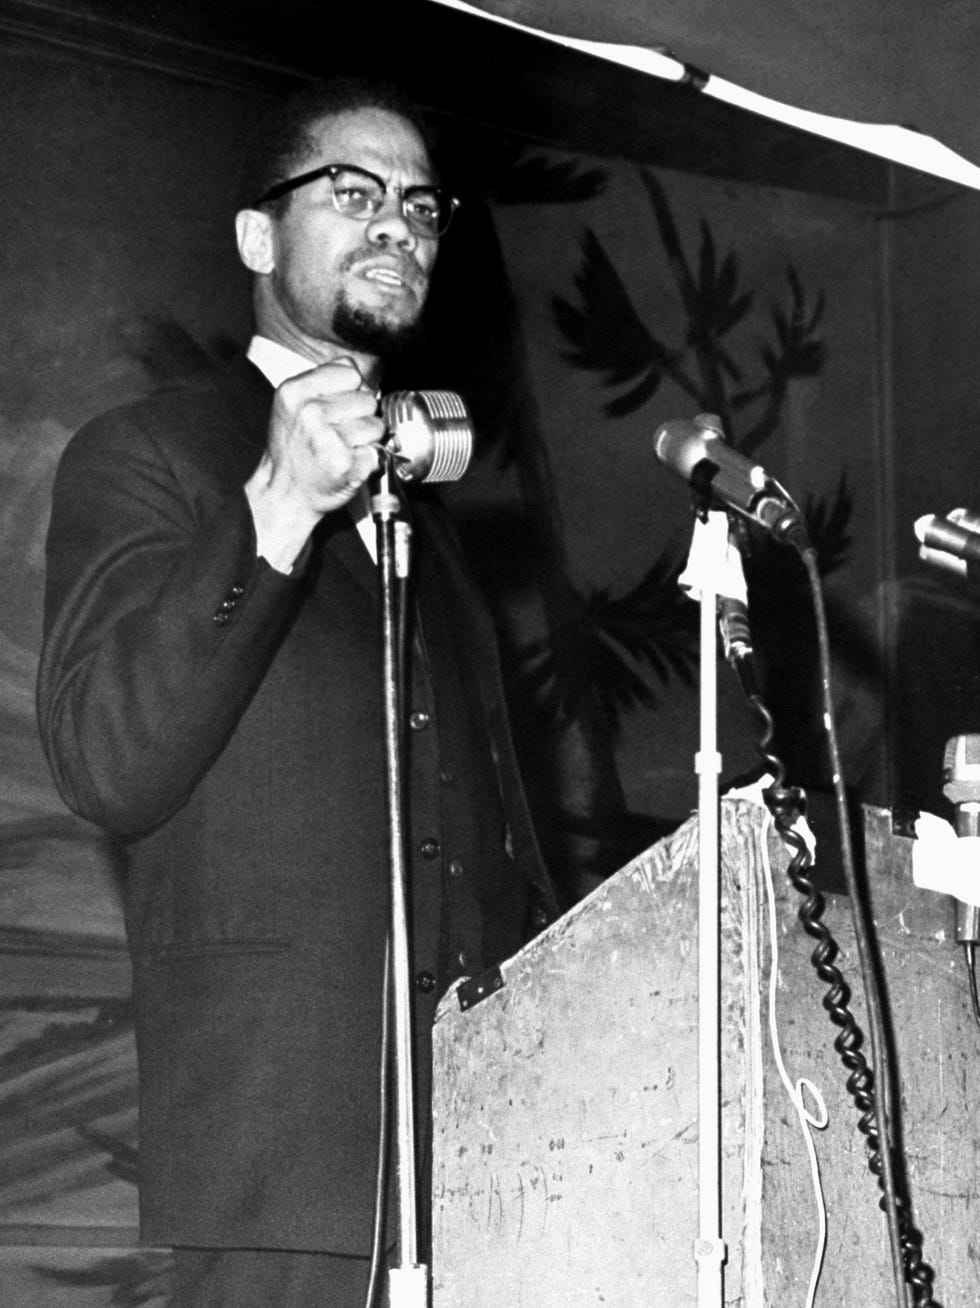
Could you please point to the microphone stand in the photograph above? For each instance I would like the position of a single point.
(709, 1247)
(408, 1282)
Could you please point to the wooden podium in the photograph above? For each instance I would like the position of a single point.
(565, 1104)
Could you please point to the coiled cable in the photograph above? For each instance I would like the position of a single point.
(877, 1113)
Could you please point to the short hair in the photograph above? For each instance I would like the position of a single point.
(285, 137)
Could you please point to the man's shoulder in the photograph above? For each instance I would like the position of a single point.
(207, 391)
(229, 403)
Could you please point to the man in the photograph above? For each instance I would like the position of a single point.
(210, 692)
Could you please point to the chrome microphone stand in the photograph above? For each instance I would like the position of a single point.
(710, 1245)
(429, 439)
(408, 1279)
(704, 565)
(697, 452)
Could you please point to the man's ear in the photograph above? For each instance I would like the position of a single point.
(256, 243)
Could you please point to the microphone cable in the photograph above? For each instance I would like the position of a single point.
(871, 1086)
(787, 803)
(970, 958)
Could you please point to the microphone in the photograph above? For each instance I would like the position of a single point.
(429, 434)
(961, 774)
(698, 452)
(958, 534)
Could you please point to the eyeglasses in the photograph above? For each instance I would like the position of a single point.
(360, 195)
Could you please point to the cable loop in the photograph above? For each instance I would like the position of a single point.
(787, 804)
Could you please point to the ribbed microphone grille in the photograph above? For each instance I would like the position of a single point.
(453, 432)
(452, 456)
(444, 404)
(431, 434)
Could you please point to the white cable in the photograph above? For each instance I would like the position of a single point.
(810, 1120)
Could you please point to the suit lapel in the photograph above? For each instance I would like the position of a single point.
(339, 541)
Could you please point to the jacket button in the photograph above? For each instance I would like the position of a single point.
(429, 848)
(419, 721)
(425, 983)
(456, 868)
(228, 605)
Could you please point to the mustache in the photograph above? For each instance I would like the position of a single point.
(404, 265)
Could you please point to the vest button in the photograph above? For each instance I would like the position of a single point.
(419, 721)
(456, 868)
(429, 848)
(425, 983)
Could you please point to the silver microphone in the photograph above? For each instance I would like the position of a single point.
(698, 453)
(957, 534)
(430, 434)
(961, 774)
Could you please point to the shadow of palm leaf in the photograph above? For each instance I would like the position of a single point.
(606, 645)
(786, 645)
(798, 353)
(135, 1280)
(608, 336)
(67, 1071)
(499, 168)
(711, 301)
(537, 180)
(774, 573)
(68, 1100)
(171, 355)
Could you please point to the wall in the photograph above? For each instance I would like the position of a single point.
(111, 253)
(936, 300)
(620, 510)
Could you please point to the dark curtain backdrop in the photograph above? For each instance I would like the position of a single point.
(878, 61)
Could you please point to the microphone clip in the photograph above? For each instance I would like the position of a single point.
(386, 502)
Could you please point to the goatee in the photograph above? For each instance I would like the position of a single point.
(361, 330)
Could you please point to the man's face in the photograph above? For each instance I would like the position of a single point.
(357, 284)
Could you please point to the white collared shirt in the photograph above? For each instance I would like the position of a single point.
(278, 363)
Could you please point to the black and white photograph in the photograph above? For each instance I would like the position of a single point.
(489, 654)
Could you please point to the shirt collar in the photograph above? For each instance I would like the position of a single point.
(276, 362)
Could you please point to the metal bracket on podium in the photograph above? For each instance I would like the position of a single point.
(476, 988)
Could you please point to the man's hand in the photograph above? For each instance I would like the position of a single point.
(321, 449)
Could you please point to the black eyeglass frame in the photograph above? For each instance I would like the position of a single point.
(447, 203)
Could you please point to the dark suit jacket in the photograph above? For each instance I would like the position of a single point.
(225, 722)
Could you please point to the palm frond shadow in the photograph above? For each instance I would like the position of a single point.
(609, 646)
(71, 1092)
(607, 335)
(169, 354)
(135, 1280)
(492, 166)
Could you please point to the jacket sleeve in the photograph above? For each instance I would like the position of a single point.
(160, 622)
